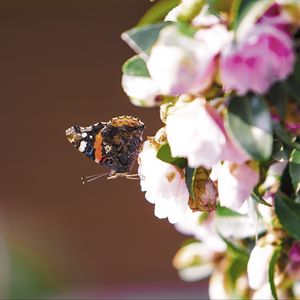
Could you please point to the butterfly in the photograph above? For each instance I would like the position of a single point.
(114, 144)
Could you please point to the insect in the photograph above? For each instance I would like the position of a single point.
(114, 144)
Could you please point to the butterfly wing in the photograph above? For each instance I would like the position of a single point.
(86, 139)
(122, 140)
(115, 144)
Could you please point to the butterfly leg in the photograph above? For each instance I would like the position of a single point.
(133, 176)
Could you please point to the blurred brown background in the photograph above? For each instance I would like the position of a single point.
(60, 66)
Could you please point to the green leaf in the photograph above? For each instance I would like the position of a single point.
(285, 136)
(250, 123)
(258, 198)
(186, 29)
(294, 168)
(278, 97)
(293, 82)
(272, 265)
(236, 251)
(246, 12)
(226, 212)
(164, 154)
(236, 268)
(135, 66)
(189, 180)
(217, 6)
(293, 85)
(158, 12)
(288, 212)
(280, 151)
(141, 39)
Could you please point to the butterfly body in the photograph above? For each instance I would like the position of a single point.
(114, 144)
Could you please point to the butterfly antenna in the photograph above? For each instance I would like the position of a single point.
(90, 178)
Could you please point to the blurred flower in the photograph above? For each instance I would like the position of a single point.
(164, 185)
(263, 292)
(263, 56)
(235, 184)
(203, 227)
(204, 18)
(258, 265)
(216, 287)
(276, 16)
(180, 64)
(239, 227)
(196, 131)
(194, 262)
(293, 267)
(142, 91)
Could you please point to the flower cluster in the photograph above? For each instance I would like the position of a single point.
(225, 165)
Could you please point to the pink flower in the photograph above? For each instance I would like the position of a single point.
(179, 64)
(196, 131)
(293, 267)
(235, 184)
(263, 56)
(164, 185)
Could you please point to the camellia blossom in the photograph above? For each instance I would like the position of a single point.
(235, 184)
(142, 90)
(263, 56)
(202, 230)
(196, 131)
(194, 262)
(164, 185)
(258, 265)
(180, 64)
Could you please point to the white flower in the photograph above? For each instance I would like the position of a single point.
(194, 134)
(196, 131)
(235, 184)
(180, 64)
(194, 262)
(205, 231)
(142, 90)
(216, 287)
(263, 293)
(164, 185)
(238, 227)
(258, 265)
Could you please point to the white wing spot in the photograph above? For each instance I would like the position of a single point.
(82, 146)
(84, 135)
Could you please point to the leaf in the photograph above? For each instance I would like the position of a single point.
(226, 212)
(236, 251)
(288, 212)
(186, 29)
(293, 85)
(135, 66)
(293, 82)
(158, 12)
(272, 265)
(294, 168)
(278, 97)
(258, 198)
(250, 123)
(285, 136)
(141, 39)
(164, 154)
(280, 151)
(236, 268)
(246, 12)
(189, 180)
